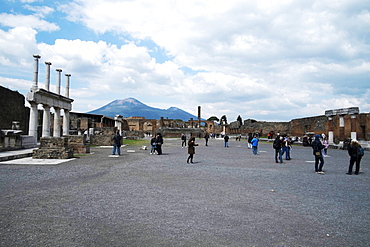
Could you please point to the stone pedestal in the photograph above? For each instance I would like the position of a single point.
(79, 144)
(53, 148)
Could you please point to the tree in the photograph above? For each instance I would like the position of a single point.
(239, 119)
(223, 120)
(213, 118)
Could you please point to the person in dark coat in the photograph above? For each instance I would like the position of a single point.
(355, 156)
(183, 141)
(277, 146)
(159, 143)
(117, 142)
(226, 139)
(317, 148)
(206, 137)
(191, 149)
(152, 145)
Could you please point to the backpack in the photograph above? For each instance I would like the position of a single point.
(360, 151)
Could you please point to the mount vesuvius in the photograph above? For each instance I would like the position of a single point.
(131, 107)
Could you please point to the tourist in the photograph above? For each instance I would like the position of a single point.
(283, 146)
(183, 141)
(355, 152)
(325, 142)
(152, 144)
(250, 137)
(191, 149)
(254, 143)
(117, 142)
(277, 147)
(317, 151)
(288, 147)
(206, 137)
(158, 143)
(226, 139)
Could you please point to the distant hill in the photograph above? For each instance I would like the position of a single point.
(131, 107)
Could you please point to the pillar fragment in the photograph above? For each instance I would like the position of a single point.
(67, 85)
(66, 122)
(56, 122)
(47, 76)
(58, 80)
(32, 129)
(35, 71)
(46, 121)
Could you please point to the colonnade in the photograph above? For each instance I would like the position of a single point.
(49, 100)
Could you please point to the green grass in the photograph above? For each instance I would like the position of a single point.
(135, 142)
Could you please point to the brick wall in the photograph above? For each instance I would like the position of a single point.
(12, 109)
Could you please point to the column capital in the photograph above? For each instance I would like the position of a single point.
(58, 70)
(48, 63)
(36, 56)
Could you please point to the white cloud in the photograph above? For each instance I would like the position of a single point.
(262, 60)
(29, 21)
(40, 11)
(15, 45)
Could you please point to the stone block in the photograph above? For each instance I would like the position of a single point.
(53, 153)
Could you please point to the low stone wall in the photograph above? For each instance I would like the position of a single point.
(53, 148)
(78, 144)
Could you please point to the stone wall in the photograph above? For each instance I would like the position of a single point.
(263, 128)
(53, 148)
(301, 126)
(78, 144)
(105, 138)
(12, 109)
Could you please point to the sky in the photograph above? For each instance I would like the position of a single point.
(265, 60)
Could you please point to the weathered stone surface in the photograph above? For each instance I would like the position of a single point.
(79, 144)
(53, 148)
(53, 153)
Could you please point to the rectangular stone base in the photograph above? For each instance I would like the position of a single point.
(52, 153)
(53, 148)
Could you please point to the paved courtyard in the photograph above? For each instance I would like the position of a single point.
(228, 197)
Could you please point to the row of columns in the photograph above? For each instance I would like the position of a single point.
(46, 106)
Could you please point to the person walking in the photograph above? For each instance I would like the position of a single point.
(325, 142)
(183, 141)
(254, 143)
(191, 149)
(226, 139)
(158, 143)
(152, 144)
(206, 137)
(250, 137)
(317, 148)
(355, 152)
(277, 146)
(288, 147)
(117, 142)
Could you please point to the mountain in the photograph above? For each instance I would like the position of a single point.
(131, 107)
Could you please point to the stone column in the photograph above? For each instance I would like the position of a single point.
(56, 122)
(36, 71)
(32, 129)
(118, 123)
(67, 84)
(46, 121)
(66, 122)
(353, 127)
(199, 117)
(58, 80)
(330, 132)
(341, 128)
(47, 76)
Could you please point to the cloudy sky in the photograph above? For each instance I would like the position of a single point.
(267, 60)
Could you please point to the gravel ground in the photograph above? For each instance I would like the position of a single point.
(228, 197)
